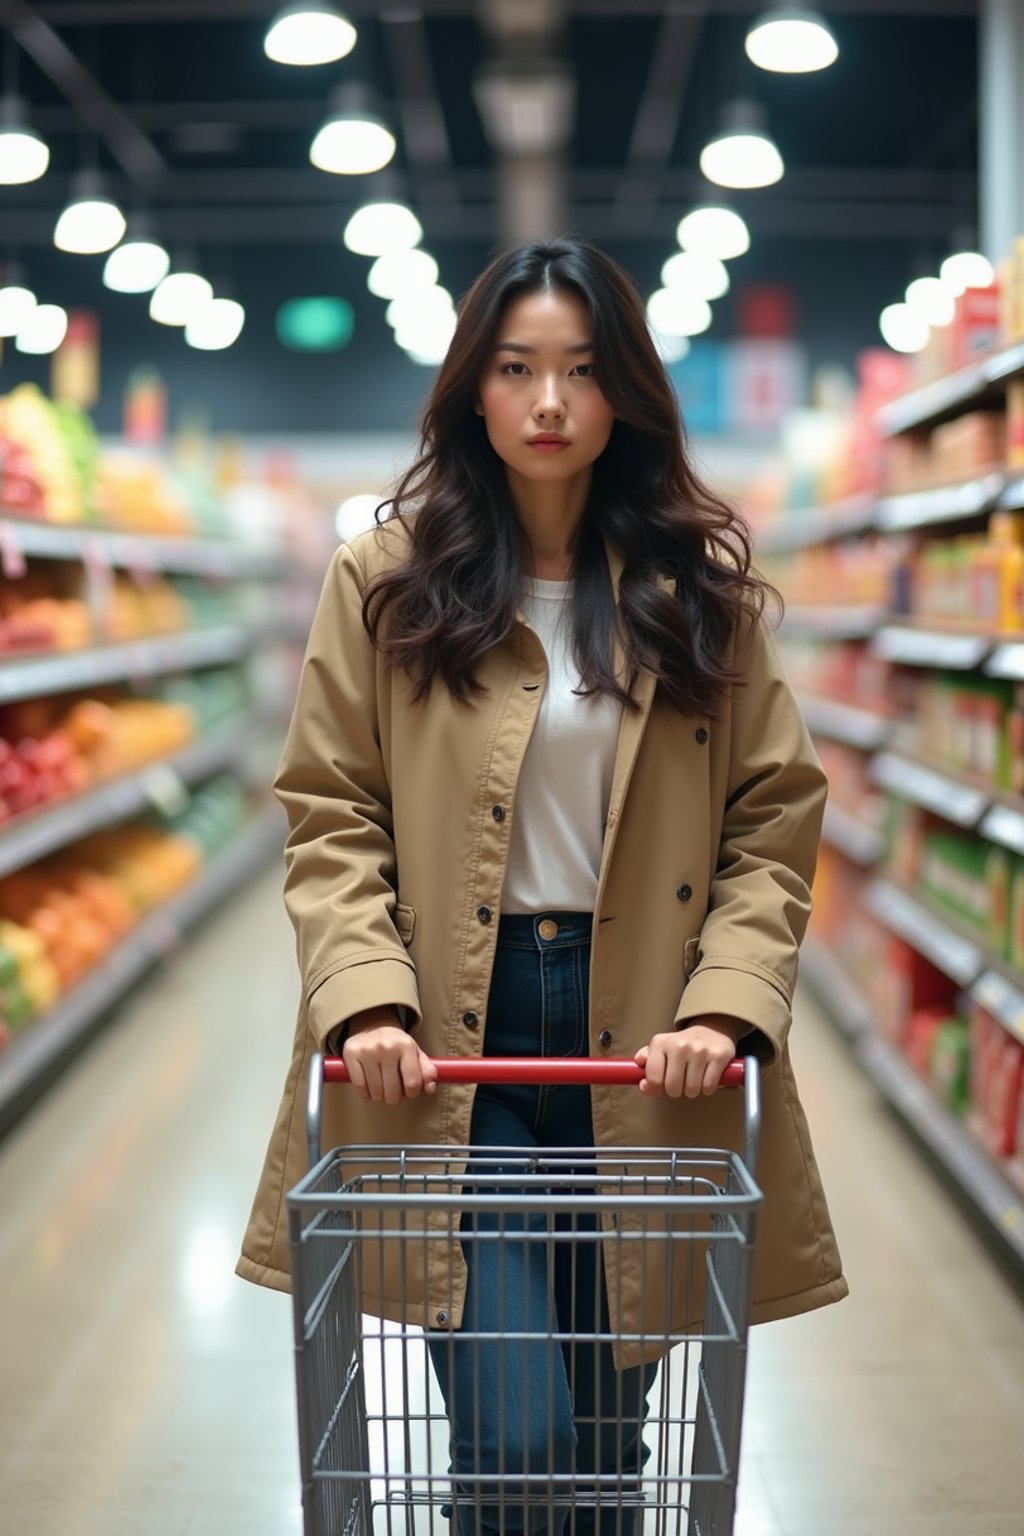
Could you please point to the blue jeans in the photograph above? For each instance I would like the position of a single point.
(532, 1406)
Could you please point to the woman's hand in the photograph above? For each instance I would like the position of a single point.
(384, 1062)
(690, 1061)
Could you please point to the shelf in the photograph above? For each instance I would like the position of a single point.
(1004, 999)
(944, 504)
(140, 552)
(847, 723)
(930, 647)
(933, 402)
(936, 938)
(807, 526)
(948, 796)
(1003, 823)
(1003, 365)
(853, 622)
(39, 1050)
(961, 1156)
(1007, 660)
(159, 784)
(853, 838)
(28, 677)
(834, 987)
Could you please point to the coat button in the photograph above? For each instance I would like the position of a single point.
(442, 1318)
(605, 1037)
(470, 1020)
(684, 893)
(498, 813)
(702, 735)
(484, 914)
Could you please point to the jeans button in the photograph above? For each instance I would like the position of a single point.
(605, 1037)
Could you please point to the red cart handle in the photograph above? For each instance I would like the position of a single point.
(590, 1070)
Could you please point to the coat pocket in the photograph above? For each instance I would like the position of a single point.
(691, 956)
(405, 922)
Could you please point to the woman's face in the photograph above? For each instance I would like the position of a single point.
(539, 395)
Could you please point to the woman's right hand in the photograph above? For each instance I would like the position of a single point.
(384, 1062)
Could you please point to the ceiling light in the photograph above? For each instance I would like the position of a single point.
(742, 155)
(714, 232)
(91, 222)
(410, 307)
(671, 349)
(705, 276)
(138, 265)
(966, 269)
(24, 156)
(678, 313)
(401, 272)
(179, 297)
(430, 337)
(16, 302)
(355, 140)
(932, 300)
(791, 41)
(309, 32)
(378, 228)
(903, 329)
(215, 326)
(43, 331)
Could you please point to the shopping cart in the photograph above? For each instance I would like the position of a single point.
(377, 1457)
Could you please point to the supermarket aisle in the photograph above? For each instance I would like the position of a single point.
(147, 1390)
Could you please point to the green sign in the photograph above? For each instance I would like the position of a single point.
(315, 325)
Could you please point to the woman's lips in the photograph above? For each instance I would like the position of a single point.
(549, 446)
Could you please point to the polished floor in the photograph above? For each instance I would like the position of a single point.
(144, 1391)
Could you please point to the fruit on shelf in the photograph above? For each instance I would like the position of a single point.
(29, 419)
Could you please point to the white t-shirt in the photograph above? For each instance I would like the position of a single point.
(566, 778)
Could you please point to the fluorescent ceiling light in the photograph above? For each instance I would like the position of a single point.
(966, 269)
(137, 266)
(742, 155)
(671, 349)
(705, 276)
(215, 326)
(401, 272)
(791, 41)
(16, 305)
(678, 313)
(903, 329)
(309, 32)
(423, 304)
(43, 331)
(24, 155)
(714, 232)
(179, 297)
(91, 222)
(377, 228)
(932, 300)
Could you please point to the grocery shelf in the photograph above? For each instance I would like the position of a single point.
(157, 784)
(1007, 660)
(1003, 823)
(847, 723)
(954, 798)
(834, 987)
(36, 1054)
(1002, 993)
(806, 526)
(935, 936)
(943, 504)
(1003, 365)
(912, 647)
(1011, 498)
(934, 402)
(28, 677)
(854, 621)
(141, 552)
(860, 843)
(947, 1139)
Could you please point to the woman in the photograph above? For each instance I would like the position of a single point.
(549, 793)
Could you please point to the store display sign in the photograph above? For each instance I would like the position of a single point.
(765, 381)
(699, 380)
(145, 408)
(315, 324)
(75, 374)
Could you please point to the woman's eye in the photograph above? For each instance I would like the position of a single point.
(590, 366)
(507, 368)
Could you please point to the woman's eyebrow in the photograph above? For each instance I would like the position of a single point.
(517, 346)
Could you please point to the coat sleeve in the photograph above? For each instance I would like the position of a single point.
(341, 867)
(760, 898)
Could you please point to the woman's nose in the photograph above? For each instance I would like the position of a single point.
(549, 399)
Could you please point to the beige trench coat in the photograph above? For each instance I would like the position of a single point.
(703, 899)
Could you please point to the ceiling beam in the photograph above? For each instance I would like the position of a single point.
(657, 118)
(424, 131)
(95, 13)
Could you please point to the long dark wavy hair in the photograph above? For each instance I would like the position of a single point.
(457, 592)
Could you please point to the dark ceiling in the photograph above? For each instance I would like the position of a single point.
(880, 155)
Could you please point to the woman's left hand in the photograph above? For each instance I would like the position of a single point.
(690, 1061)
